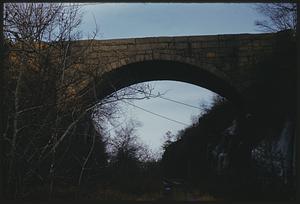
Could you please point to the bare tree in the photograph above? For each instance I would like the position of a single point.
(44, 109)
(108, 109)
(169, 138)
(125, 144)
(39, 36)
(278, 16)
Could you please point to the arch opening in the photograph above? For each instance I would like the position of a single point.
(138, 72)
(159, 70)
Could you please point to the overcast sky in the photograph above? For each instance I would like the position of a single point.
(121, 20)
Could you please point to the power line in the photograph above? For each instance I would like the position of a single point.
(156, 114)
(168, 99)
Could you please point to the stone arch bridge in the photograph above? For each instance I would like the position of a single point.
(226, 64)
(230, 65)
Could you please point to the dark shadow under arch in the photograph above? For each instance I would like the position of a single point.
(165, 70)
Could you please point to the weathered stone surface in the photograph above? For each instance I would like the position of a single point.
(227, 57)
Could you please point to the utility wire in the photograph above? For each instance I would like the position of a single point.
(168, 99)
(156, 114)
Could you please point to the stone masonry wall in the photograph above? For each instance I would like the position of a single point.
(230, 57)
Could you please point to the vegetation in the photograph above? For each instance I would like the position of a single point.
(237, 151)
(278, 16)
(56, 144)
(50, 140)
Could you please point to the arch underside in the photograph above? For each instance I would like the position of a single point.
(164, 70)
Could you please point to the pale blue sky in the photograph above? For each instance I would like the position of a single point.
(121, 20)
